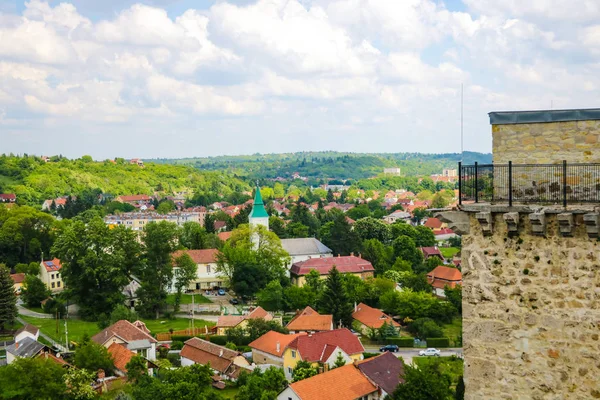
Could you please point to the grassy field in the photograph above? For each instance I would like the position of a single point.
(187, 299)
(452, 366)
(453, 330)
(229, 392)
(449, 252)
(77, 328)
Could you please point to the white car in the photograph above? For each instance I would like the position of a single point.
(430, 352)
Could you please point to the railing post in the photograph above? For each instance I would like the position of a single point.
(460, 183)
(476, 184)
(565, 183)
(510, 189)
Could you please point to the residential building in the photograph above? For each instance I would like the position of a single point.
(392, 171)
(121, 355)
(450, 172)
(432, 252)
(8, 197)
(24, 348)
(443, 276)
(268, 349)
(135, 336)
(368, 318)
(58, 203)
(226, 322)
(136, 161)
(206, 270)
(50, 274)
(322, 348)
(302, 249)
(444, 234)
(29, 331)
(343, 383)
(435, 224)
(310, 321)
(137, 221)
(345, 265)
(397, 215)
(225, 362)
(18, 280)
(224, 236)
(135, 200)
(386, 371)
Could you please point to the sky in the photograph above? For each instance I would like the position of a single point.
(170, 78)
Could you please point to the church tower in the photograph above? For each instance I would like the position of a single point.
(259, 215)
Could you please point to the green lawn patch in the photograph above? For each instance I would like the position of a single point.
(449, 252)
(228, 392)
(77, 328)
(177, 324)
(187, 299)
(453, 330)
(452, 366)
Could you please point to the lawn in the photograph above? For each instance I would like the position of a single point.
(77, 328)
(228, 392)
(187, 299)
(449, 252)
(453, 330)
(452, 366)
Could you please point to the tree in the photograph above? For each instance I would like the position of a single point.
(339, 361)
(300, 214)
(405, 248)
(186, 383)
(79, 384)
(257, 327)
(165, 207)
(303, 370)
(339, 236)
(454, 296)
(92, 356)
(424, 328)
(423, 384)
(371, 228)
(8, 299)
(424, 237)
(330, 197)
(313, 281)
(97, 263)
(192, 236)
(185, 271)
(387, 330)
(415, 282)
(34, 291)
(136, 367)
(261, 385)
(296, 230)
(156, 272)
(297, 298)
(276, 225)
(22, 379)
(121, 312)
(209, 223)
(358, 212)
(33, 268)
(420, 213)
(460, 389)
(271, 297)
(378, 254)
(335, 301)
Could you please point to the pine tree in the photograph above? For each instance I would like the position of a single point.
(8, 299)
(460, 389)
(335, 300)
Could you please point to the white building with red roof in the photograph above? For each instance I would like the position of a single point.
(345, 265)
(207, 276)
(443, 276)
(134, 336)
(50, 274)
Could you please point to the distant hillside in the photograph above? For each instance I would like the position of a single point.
(34, 180)
(329, 164)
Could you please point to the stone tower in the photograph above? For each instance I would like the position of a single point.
(258, 216)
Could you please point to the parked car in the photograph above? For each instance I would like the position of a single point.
(221, 292)
(430, 352)
(389, 347)
(234, 301)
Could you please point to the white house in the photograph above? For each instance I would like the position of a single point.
(135, 336)
(206, 270)
(50, 274)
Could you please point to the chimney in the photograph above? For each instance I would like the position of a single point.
(359, 255)
(352, 254)
(221, 353)
(355, 307)
(101, 374)
(326, 367)
(278, 347)
(339, 255)
(355, 362)
(16, 345)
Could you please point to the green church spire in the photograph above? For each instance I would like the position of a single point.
(258, 208)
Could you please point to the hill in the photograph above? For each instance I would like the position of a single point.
(34, 180)
(329, 164)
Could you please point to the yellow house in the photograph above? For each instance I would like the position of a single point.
(18, 281)
(50, 274)
(322, 349)
(345, 265)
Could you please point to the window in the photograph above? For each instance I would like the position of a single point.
(293, 354)
(208, 269)
(52, 285)
(58, 284)
(290, 370)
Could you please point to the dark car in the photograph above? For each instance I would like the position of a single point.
(234, 301)
(389, 347)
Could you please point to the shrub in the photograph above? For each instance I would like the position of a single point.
(369, 355)
(425, 327)
(176, 345)
(220, 340)
(401, 341)
(438, 342)
(180, 338)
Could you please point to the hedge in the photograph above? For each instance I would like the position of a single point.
(180, 338)
(221, 340)
(438, 342)
(400, 341)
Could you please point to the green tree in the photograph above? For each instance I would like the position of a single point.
(297, 298)
(314, 281)
(387, 330)
(136, 367)
(454, 296)
(8, 299)
(423, 384)
(424, 237)
(271, 297)
(261, 386)
(34, 291)
(303, 370)
(339, 361)
(156, 272)
(300, 214)
(277, 226)
(184, 271)
(33, 268)
(335, 301)
(330, 197)
(405, 248)
(415, 282)
(371, 228)
(209, 223)
(121, 312)
(32, 378)
(460, 389)
(165, 207)
(378, 254)
(339, 236)
(192, 236)
(424, 328)
(79, 384)
(92, 356)
(186, 383)
(257, 327)
(358, 212)
(296, 230)
(97, 264)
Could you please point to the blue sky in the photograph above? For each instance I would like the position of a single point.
(169, 78)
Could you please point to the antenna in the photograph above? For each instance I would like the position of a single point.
(551, 104)
(461, 123)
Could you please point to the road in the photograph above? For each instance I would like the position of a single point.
(408, 354)
(28, 313)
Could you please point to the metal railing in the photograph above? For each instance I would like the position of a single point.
(562, 183)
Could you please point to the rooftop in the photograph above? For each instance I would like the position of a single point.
(304, 246)
(125, 330)
(310, 320)
(120, 355)
(346, 264)
(312, 347)
(27, 347)
(205, 256)
(372, 317)
(268, 342)
(52, 265)
(445, 273)
(384, 370)
(543, 116)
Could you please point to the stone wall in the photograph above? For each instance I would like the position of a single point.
(531, 306)
(546, 143)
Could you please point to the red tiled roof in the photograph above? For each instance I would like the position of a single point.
(204, 352)
(205, 256)
(314, 322)
(120, 355)
(125, 330)
(49, 356)
(18, 278)
(446, 275)
(444, 231)
(433, 223)
(224, 236)
(229, 321)
(346, 264)
(7, 196)
(268, 342)
(259, 312)
(431, 251)
(372, 317)
(311, 347)
(220, 224)
(135, 197)
(343, 383)
(52, 265)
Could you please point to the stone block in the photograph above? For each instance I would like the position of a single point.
(538, 223)
(458, 221)
(592, 222)
(566, 223)
(512, 221)
(486, 222)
